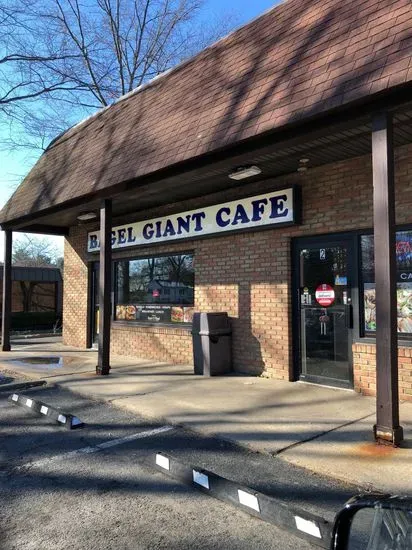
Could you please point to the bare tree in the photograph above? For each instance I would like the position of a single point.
(84, 54)
(28, 88)
(32, 251)
(24, 57)
(114, 46)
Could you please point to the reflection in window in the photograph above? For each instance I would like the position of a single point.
(155, 289)
(404, 281)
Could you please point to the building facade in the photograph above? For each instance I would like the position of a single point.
(269, 177)
(36, 297)
(256, 276)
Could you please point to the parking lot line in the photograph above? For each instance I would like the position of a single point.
(96, 448)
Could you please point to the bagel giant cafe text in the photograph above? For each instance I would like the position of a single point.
(270, 209)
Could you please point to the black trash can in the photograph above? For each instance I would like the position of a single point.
(212, 346)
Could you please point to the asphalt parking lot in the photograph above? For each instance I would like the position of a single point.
(95, 488)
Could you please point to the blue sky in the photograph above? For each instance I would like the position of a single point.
(14, 164)
(247, 9)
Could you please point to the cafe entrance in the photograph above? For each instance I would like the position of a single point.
(324, 279)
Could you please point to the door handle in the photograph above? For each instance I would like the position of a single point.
(348, 316)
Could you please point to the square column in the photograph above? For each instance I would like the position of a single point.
(387, 429)
(7, 291)
(105, 286)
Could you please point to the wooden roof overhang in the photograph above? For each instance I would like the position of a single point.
(340, 135)
(305, 77)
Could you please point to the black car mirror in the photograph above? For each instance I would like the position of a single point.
(374, 522)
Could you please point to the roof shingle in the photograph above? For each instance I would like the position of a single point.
(301, 58)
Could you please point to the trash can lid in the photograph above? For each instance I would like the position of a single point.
(204, 322)
(215, 332)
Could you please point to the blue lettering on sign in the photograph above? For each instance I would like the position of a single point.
(219, 220)
(228, 216)
(183, 223)
(197, 218)
(240, 215)
(278, 209)
(121, 236)
(130, 237)
(158, 229)
(169, 229)
(148, 231)
(258, 209)
(93, 243)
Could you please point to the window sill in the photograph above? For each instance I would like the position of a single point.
(370, 340)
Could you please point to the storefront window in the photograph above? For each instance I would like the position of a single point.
(155, 290)
(404, 282)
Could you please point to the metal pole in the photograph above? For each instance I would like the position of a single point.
(7, 292)
(387, 428)
(105, 284)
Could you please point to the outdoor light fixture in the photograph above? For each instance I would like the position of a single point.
(244, 172)
(86, 216)
(303, 164)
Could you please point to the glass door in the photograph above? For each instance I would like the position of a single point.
(324, 311)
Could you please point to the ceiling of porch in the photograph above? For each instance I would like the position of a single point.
(322, 146)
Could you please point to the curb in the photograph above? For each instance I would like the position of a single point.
(69, 421)
(17, 336)
(22, 385)
(297, 521)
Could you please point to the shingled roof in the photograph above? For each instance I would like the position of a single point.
(301, 58)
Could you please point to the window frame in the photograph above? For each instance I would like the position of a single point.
(404, 337)
(139, 322)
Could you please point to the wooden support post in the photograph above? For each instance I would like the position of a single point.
(105, 284)
(387, 429)
(7, 291)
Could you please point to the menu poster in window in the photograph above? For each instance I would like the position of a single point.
(154, 313)
(404, 250)
(404, 293)
(188, 314)
(404, 301)
(125, 313)
(370, 307)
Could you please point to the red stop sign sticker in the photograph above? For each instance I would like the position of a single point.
(325, 295)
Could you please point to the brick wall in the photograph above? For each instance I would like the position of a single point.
(75, 288)
(249, 274)
(364, 362)
(171, 345)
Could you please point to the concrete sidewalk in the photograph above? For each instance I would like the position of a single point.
(328, 431)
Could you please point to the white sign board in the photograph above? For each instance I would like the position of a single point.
(269, 209)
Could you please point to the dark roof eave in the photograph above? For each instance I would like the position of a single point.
(300, 128)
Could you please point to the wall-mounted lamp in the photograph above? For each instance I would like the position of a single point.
(303, 165)
(244, 172)
(86, 216)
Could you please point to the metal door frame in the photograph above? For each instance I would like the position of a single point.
(350, 240)
(92, 277)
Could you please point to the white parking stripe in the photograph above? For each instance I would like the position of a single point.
(97, 448)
